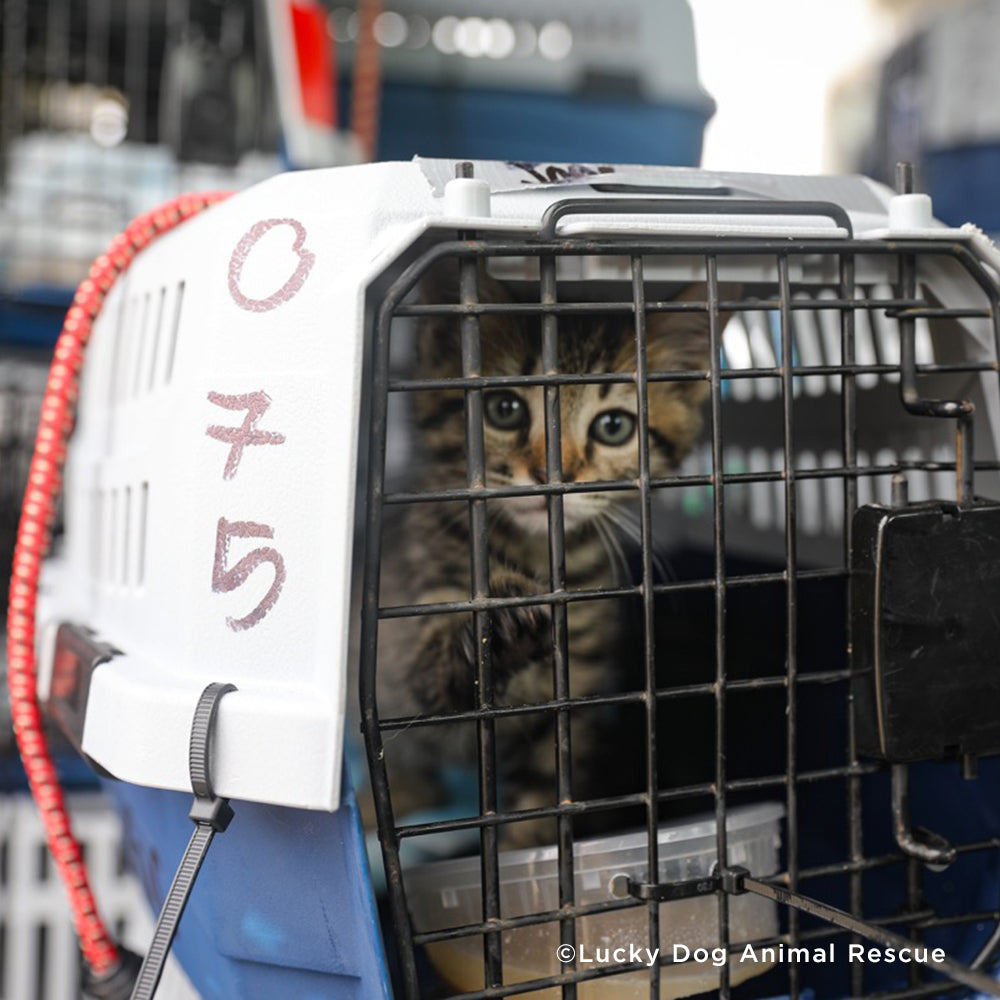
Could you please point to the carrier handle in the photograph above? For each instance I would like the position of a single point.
(689, 206)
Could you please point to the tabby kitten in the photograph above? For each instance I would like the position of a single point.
(428, 664)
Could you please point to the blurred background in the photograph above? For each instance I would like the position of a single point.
(109, 107)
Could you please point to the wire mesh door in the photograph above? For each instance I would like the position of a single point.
(606, 625)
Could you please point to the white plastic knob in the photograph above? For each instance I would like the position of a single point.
(911, 211)
(467, 197)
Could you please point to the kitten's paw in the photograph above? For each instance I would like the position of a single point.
(444, 672)
(522, 636)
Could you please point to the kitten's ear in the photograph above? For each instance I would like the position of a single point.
(680, 340)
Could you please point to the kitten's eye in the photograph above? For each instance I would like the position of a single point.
(506, 410)
(613, 427)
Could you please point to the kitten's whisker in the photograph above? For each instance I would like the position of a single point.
(627, 526)
(613, 546)
(627, 521)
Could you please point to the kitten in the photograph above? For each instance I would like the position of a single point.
(428, 664)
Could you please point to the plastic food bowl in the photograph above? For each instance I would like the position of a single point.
(446, 894)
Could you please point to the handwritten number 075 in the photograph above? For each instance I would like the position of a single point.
(226, 579)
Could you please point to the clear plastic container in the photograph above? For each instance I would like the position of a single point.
(446, 894)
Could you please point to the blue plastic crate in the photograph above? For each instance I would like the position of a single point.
(282, 907)
(964, 185)
(487, 124)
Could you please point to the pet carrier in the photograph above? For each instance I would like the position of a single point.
(109, 108)
(934, 105)
(566, 81)
(737, 734)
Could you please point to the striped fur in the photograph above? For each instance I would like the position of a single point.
(428, 664)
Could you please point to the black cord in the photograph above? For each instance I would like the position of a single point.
(211, 815)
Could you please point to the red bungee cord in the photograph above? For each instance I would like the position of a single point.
(34, 535)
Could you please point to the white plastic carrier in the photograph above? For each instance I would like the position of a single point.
(212, 483)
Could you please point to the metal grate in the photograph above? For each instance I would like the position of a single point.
(737, 681)
(62, 58)
(109, 108)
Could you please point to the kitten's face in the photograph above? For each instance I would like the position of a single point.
(599, 422)
(599, 436)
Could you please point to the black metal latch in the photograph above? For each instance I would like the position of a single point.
(730, 880)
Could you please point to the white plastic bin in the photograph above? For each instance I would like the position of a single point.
(446, 894)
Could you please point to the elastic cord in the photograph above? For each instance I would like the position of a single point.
(33, 538)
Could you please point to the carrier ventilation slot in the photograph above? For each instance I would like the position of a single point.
(119, 536)
(145, 342)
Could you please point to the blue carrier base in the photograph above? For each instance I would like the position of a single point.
(281, 908)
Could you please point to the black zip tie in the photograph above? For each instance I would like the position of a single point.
(211, 815)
